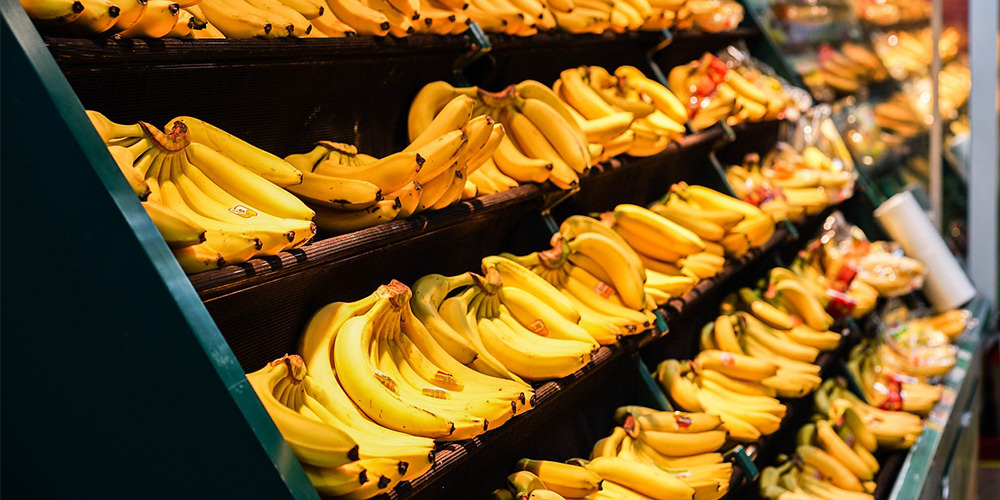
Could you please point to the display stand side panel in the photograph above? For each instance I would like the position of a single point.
(115, 377)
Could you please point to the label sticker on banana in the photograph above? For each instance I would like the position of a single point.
(604, 290)
(244, 211)
(538, 327)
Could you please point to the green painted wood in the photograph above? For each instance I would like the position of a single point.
(117, 382)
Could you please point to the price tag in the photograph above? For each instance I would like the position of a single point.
(742, 460)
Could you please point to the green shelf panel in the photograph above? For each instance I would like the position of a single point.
(115, 376)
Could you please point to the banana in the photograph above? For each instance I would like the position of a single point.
(540, 318)
(97, 16)
(361, 382)
(400, 24)
(512, 162)
(309, 9)
(530, 356)
(389, 174)
(840, 451)
(581, 96)
(736, 365)
(567, 480)
(681, 390)
(662, 98)
(328, 23)
(53, 12)
(436, 110)
(428, 294)
(177, 230)
(129, 12)
(516, 275)
(365, 20)
(774, 340)
(522, 483)
(607, 128)
(156, 21)
(762, 310)
(627, 274)
(531, 89)
(338, 193)
(608, 446)
(677, 212)
(648, 480)
(648, 245)
(558, 131)
(338, 221)
(642, 220)
(235, 21)
(260, 162)
(312, 442)
(725, 336)
(827, 465)
(683, 443)
(804, 304)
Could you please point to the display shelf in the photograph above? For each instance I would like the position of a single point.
(260, 328)
(109, 51)
(923, 468)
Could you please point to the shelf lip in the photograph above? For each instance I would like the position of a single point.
(73, 52)
(215, 283)
(92, 51)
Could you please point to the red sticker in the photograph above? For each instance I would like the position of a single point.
(604, 290)
(538, 328)
(727, 359)
(683, 419)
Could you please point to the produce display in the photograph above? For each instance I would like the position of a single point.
(713, 90)
(800, 177)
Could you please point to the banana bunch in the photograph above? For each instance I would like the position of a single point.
(214, 198)
(543, 141)
(621, 113)
(598, 273)
(666, 248)
(951, 323)
(889, 12)
(898, 115)
(793, 184)
(339, 459)
(547, 480)
(885, 387)
(818, 272)
(351, 191)
(682, 444)
(712, 92)
(887, 428)
(522, 330)
(908, 53)
(815, 473)
(846, 70)
(376, 355)
(705, 212)
(727, 384)
(249, 18)
(761, 329)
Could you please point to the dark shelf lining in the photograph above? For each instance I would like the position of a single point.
(99, 51)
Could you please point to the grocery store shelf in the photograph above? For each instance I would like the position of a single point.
(559, 38)
(101, 51)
